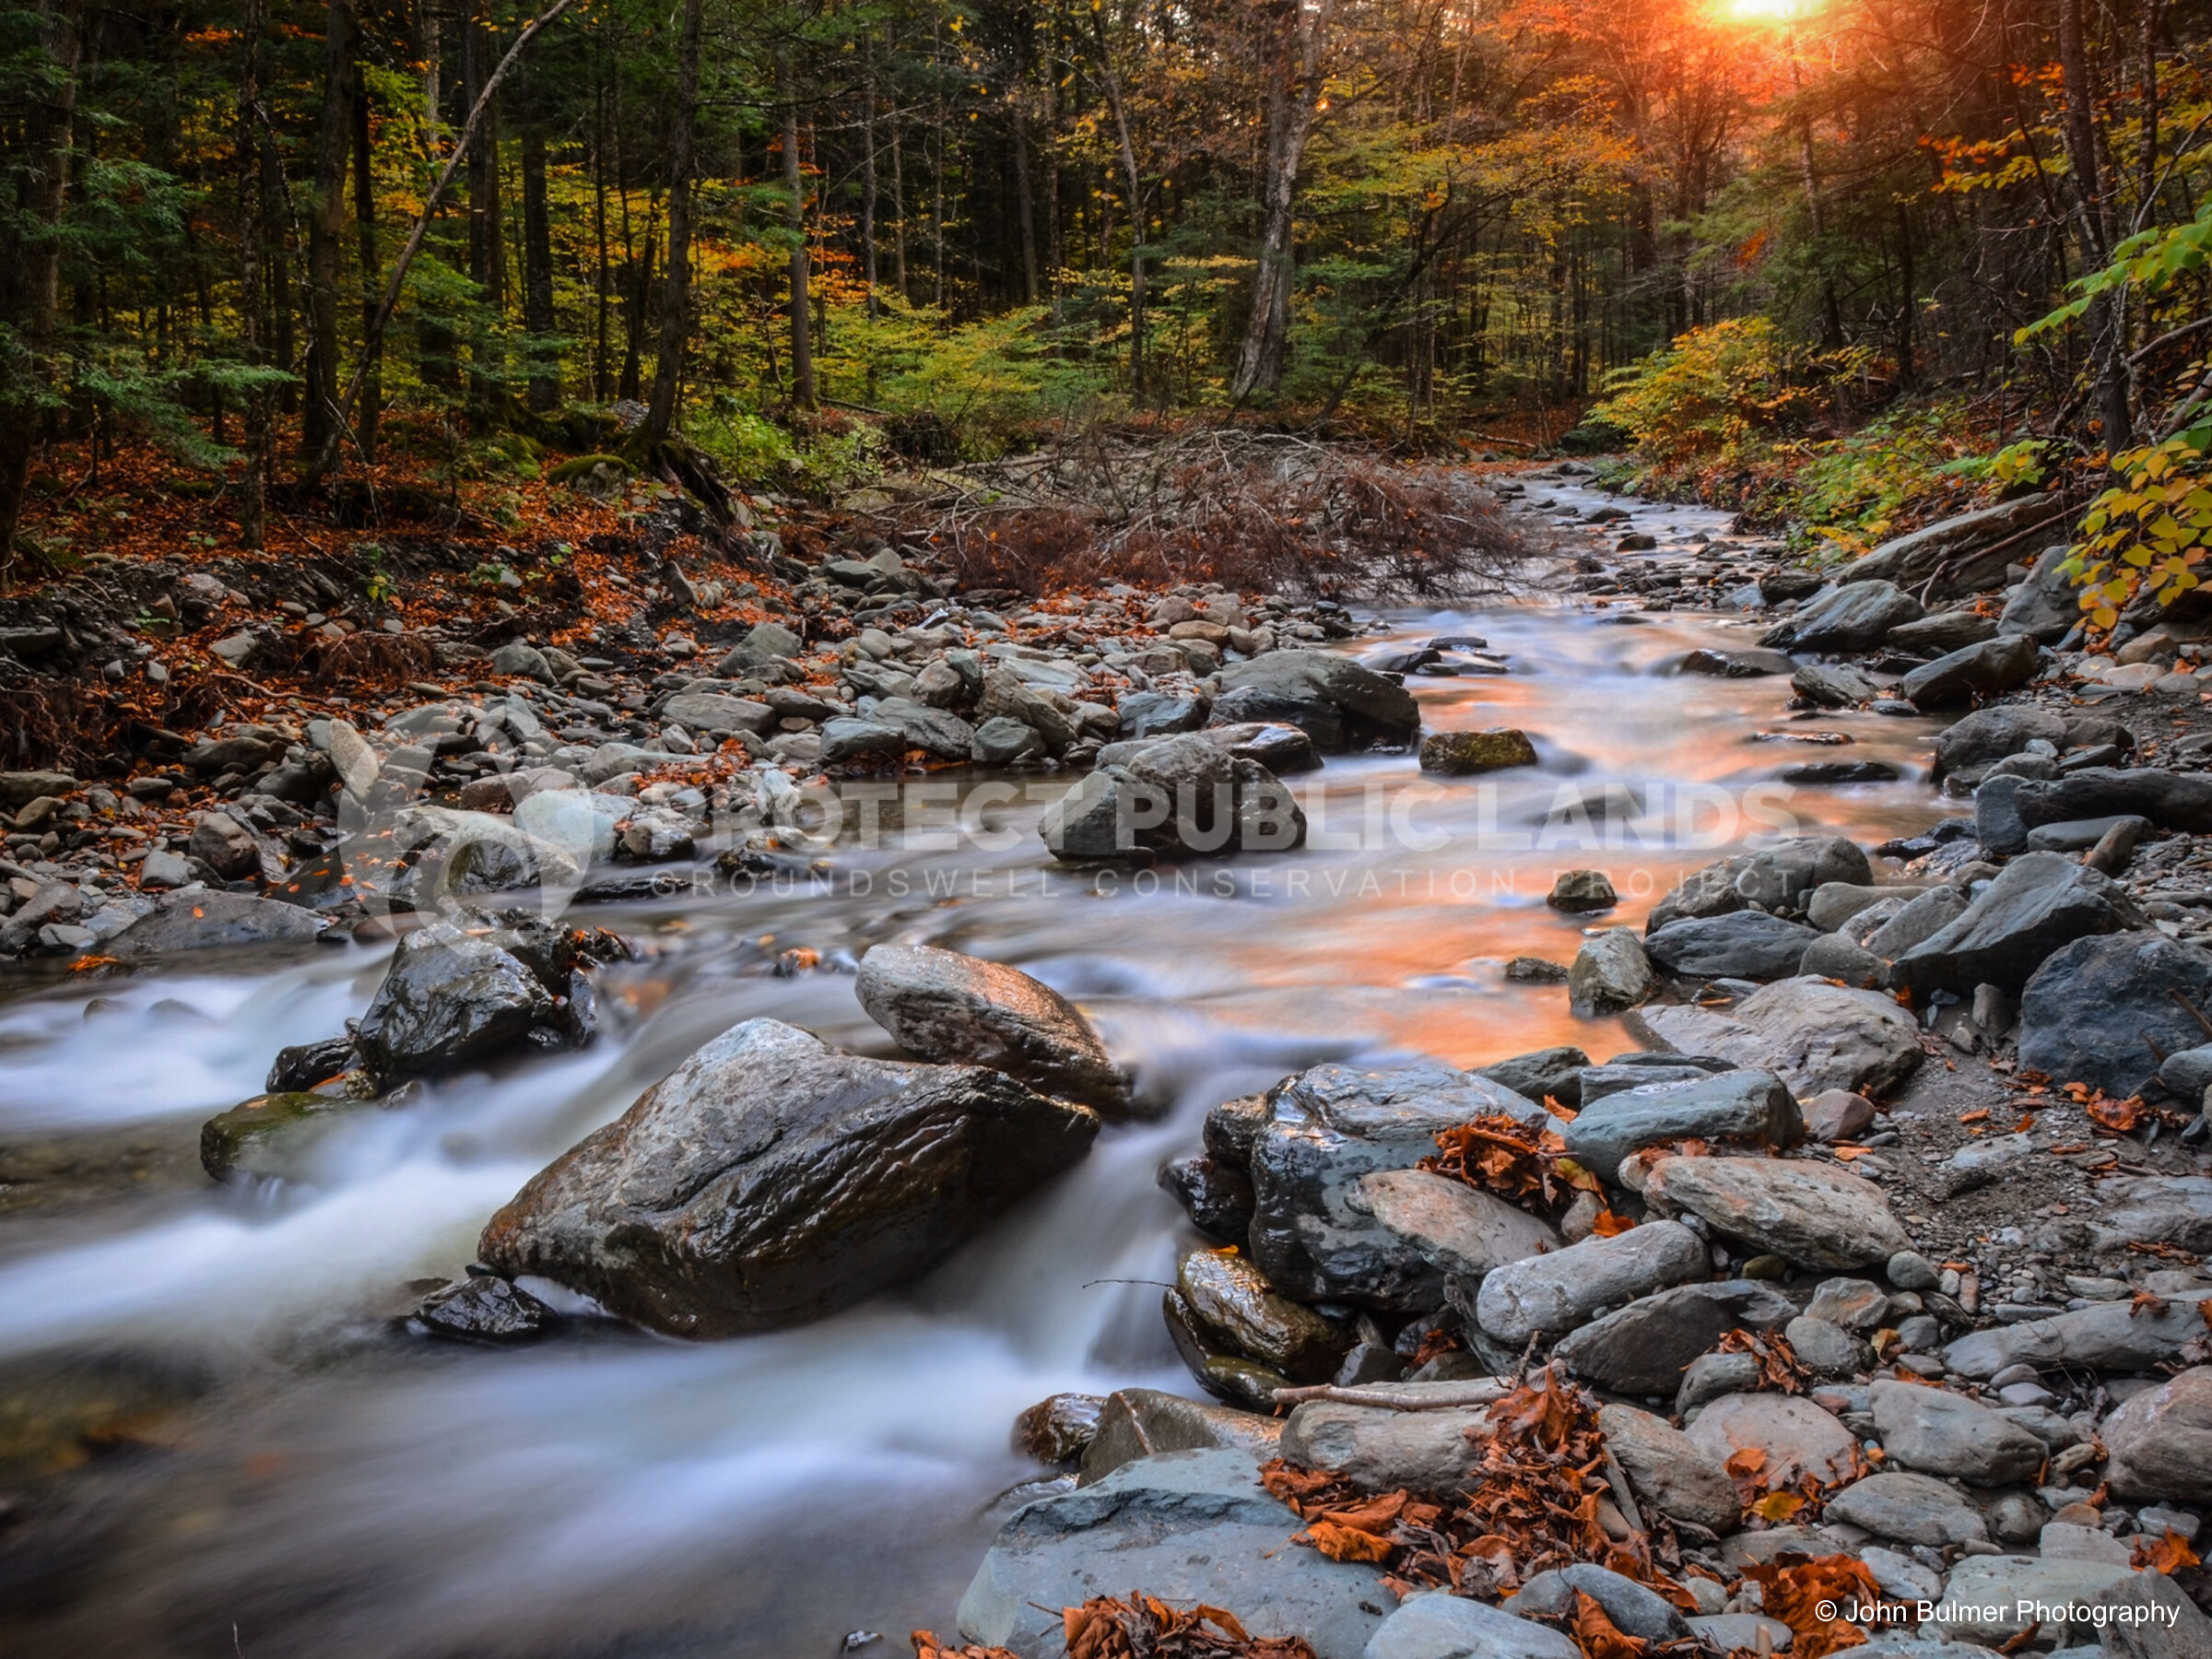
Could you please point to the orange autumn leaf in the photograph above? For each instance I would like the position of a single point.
(1979, 1115)
(2169, 1554)
(1810, 1596)
(2122, 1117)
(1778, 1507)
(1348, 1542)
(1609, 1225)
(1599, 1636)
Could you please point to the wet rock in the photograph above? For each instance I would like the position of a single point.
(1553, 1072)
(1645, 1348)
(1741, 944)
(1634, 1608)
(1327, 1128)
(1810, 1214)
(1781, 879)
(2113, 1336)
(1797, 1437)
(1556, 1293)
(1992, 733)
(1059, 1429)
(1216, 1195)
(2039, 902)
(1460, 754)
(960, 1010)
(1834, 686)
(1668, 1471)
(1735, 1106)
(1233, 1303)
(1458, 1230)
(1914, 1508)
(2103, 1010)
(1580, 891)
(1144, 1422)
(1379, 1449)
(1973, 671)
(304, 1064)
(1189, 1527)
(1182, 797)
(849, 742)
(447, 1001)
(1000, 741)
(485, 1309)
(1852, 617)
(1610, 973)
(1437, 1626)
(769, 1180)
(225, 846)
(1943, 631)
(1333, 700)
(2005, 809)
(1156, 714)
(270, 1136)
(1282, 750)
(1944, 1433)
(1814, 1036)
(208, 920)
(2159, 1442)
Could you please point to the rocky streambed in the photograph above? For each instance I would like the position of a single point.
(1577, 1033)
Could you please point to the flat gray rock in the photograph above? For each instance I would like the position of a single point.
(1554, 1294)
(1186, 1526)
(1813, 1035)
(1645, 1348)
(1915, 1509)
(1742, 1106)
(2103, 1336)
(1437, 1626)
(207, 919)
(1812, 1214)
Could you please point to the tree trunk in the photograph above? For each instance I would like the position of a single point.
(326, 220)
(1294, 91)
(1025, 196)
(802, 331)
(538, 275)
(603, 288)
(2107, 318)
(486, 249)
(898, 210)
(274, 222)
(252, 199)
(364, 220)
(34, 286)
(633, 317)
(1137, 208)
(867, 168)
(676, 299)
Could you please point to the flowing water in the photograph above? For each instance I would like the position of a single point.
(223, 1447)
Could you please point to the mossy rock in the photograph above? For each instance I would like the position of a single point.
(576, 467)
(267, 1136)
(1457, 754)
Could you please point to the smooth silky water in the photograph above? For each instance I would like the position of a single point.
(270, 1470)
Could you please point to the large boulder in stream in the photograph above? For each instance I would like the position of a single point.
(1960, 554)
(448, 1000)
(1331, 699)
(943, 1006)
(1320, 1233)
(202, 918)
(769, 1180)
(1181, 797)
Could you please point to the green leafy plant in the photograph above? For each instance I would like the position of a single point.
(2149, 532)
(1718, 388)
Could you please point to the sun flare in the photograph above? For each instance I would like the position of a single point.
(1779, 11)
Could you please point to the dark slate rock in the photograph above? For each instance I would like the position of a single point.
(2041, 901)
(2103, 1010)
(1753, 1107)
(1645, 1348)
(1744, 944)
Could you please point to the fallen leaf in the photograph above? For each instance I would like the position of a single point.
(1599, 1636)
(2169, 1554)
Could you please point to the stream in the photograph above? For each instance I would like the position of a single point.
(238, 1454)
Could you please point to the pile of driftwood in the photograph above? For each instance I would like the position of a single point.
(1277, 513)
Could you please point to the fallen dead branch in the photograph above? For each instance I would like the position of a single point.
(1398, 1399)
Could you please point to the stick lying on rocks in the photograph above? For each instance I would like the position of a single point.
(1487, 1392)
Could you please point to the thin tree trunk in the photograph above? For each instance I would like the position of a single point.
(1293, 102)
(867, 168)
(326, 220)
(364, 221)
(486, 248)
(899, 210)
(802, 330)
(640, 289)
(601, 371)
(676, 297)
(1137, 208)
(37, 276)
(1025, 190)
(273, 224)
(252, 199)
(2107, 321)
(538, 275)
